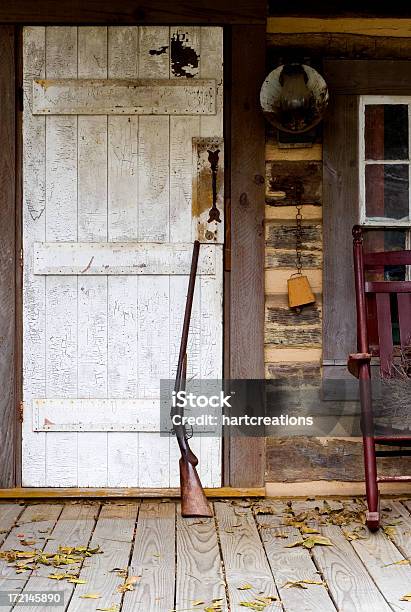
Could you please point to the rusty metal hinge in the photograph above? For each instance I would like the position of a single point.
(20, 411)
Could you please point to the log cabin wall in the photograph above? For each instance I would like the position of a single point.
(293, 343)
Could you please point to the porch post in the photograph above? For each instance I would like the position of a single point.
(247, 455)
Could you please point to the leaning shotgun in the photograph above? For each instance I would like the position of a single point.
(193, 499)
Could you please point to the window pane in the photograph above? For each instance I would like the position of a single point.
(386, 131)
(386, 191)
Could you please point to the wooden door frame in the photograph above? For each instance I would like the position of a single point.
(243, 458)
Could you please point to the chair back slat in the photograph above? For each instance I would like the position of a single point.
(404, 318)
(387, 258)
(385, 332)
(388, 287)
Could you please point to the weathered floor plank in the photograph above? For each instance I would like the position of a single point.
(153, 559)
(350, 585)
(199, 572)
(383, 561)
(33, 525)
(73, 528)
(9, 513)
(394, 514)
(244, 557)
(290, 565)
(114, 534)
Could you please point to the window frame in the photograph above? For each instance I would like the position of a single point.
(365, 100)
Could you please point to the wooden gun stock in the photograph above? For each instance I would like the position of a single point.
(193, 499)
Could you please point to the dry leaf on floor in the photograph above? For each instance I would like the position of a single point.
(198, 602)
(57, 576)
(390, 531)
(406, 597)
(311, 541)
(258, 605)
(120, 571)
(215, 606)
(74, 580)
(267, 598)
(113, 608)
(401, 562)
(301, 584)
(352, 535)
(128, 584)
(245, 587)
(307, 529)
(91, 596)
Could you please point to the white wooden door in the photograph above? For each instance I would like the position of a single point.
(117, 124)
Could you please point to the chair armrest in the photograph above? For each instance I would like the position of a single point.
(355, 360)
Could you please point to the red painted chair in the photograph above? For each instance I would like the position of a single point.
(374, 301)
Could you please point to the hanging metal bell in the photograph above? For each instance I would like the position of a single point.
(299, 291)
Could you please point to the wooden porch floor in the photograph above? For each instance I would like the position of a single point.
(153, 560)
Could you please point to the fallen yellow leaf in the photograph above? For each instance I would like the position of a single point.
(301, 583)
(401, 562)
(245, 587)
(91, 596)
(406, 597)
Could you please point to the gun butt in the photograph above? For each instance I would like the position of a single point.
(193, 499)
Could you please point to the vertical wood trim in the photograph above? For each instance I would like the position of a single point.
(247, 456)
(8, 429)
(18, 322)
(340, 213)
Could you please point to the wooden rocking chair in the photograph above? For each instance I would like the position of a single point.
(375, 338)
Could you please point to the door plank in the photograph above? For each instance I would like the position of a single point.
(123, 54)
(61, 224)
(34, 310)
(211, 317)
(244, 558)
(123, 456)
(153, 294)
(34, 522)
(73, 528)
(77, 414)
(114, 535)
(291, 565)
(182, 131)
(116, 97)
(92, 227)
(153, 559)
(199, 572)
(119, 258)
